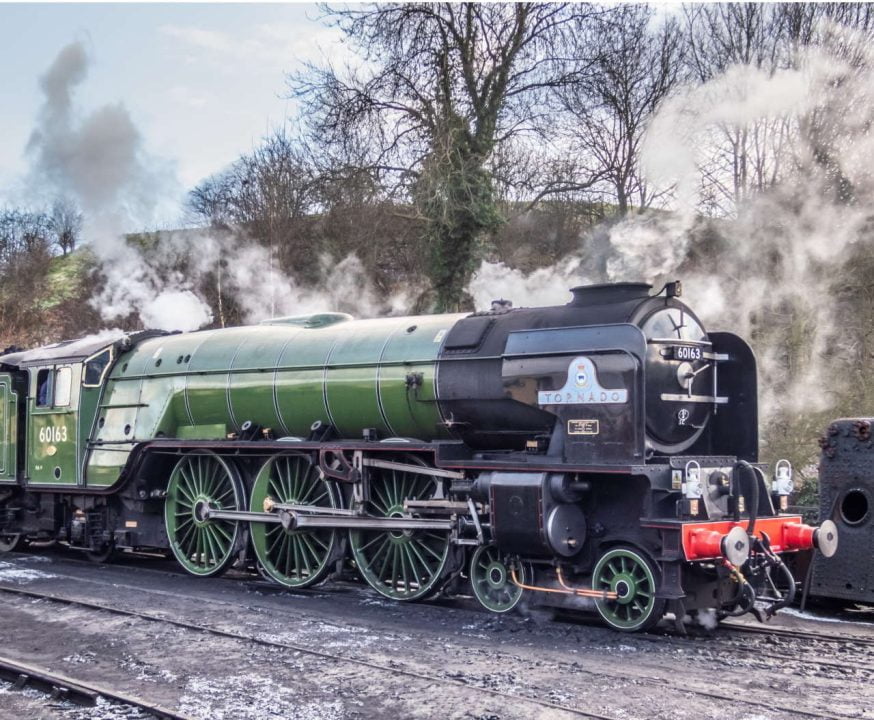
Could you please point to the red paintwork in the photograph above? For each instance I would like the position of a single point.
(699, 543)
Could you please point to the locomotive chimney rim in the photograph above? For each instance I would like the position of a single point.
(608, 293)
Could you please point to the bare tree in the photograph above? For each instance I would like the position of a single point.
(439, 87)
(750, 156)
(66, 224)
(756, 155)
(263, 196)
(608, 109)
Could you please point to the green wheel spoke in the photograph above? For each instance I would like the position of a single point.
(376, 539)
(220, 530)
(215, 551)
(490, 580)
(197, 483)
(400, 564)
(315, 537)
(218, 542)
(436, 555)
(183, 542)
(182, 490)
(415, 551)
(628, 573)
(284, 544)
(293, 558)
(385, 504)
(295, 567)
(406, 568)
(396, 560)
(389, 555)
(384, 547)
(278, 536)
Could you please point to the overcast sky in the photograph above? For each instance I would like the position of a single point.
(202, 82)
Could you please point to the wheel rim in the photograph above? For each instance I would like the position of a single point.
(402, 565)
(105, 554)
(491, 582)
(10, 542)
(631, 576)
(202, 546)
(294, 558)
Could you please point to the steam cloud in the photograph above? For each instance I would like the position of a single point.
(99, 160)
(786, 231)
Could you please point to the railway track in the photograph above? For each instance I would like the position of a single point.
(63, 687)
(323, 654)
(395, 669)
(797, 634)
(720, 639)
(132, 563)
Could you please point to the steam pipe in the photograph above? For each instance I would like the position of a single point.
(753, 510)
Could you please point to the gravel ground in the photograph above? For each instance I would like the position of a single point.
(349, 654)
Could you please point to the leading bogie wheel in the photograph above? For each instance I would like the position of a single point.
(202, 481)
(634, 578)
(294, 558)
(491, 579)
(402, 564)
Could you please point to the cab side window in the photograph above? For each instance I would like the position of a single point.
(95, 368)
(54, 387)
(44, 388)
(63, 386)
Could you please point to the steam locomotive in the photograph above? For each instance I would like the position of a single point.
(602, 453)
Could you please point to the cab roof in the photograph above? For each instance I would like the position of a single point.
(75, 350)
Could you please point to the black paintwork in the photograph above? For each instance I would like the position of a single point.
(493, 364)
(846, 492)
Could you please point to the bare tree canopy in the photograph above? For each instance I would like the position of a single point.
(66, 224)
(607, 109)
(440, 86)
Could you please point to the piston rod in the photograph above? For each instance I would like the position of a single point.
(296, 520)
(241, 515)
(292, 520)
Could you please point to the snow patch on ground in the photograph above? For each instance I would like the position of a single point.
(147, 672)
(821, 618)
(251, 697)
(11, 572)
(80, 658)
(345, 635)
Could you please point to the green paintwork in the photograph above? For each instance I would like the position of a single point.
(199, 432)
(628, 573)
(398, 564)
(203, 547)
(283, 376)
(89, 400)
(491, 581)
(294, 558)
(52, 433)
(8, 429)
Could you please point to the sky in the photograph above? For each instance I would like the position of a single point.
(202, 82)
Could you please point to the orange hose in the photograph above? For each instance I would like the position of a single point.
(581, 592)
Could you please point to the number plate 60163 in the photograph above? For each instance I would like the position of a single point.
(687, 352)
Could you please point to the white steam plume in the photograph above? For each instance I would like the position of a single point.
(781, 232)
(98, 159)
